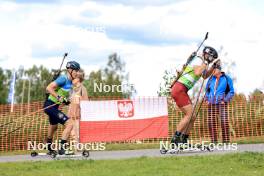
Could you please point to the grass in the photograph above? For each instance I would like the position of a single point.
(238, 164)
(131, 146)
(249, 140)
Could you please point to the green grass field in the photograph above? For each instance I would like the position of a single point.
(242, 164)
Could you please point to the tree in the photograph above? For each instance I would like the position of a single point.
(3, 86)
(228, 64)
(256, 92)
(32, 82)
(109, 81)
(168, 77)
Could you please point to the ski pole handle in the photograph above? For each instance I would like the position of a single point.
(65, 55)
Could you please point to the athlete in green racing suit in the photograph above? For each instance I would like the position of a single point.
(58, 93)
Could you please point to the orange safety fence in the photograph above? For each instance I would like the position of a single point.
(244, 123)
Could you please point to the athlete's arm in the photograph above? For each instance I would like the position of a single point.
(208, 73)
(51, 89)
(84, 94)
(198, 69)
(59, 82)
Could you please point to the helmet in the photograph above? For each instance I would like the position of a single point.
(210, 51)
(73, 65)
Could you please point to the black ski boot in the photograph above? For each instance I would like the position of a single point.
(177, 138)
(49, 143)
(62, 147)
(185, 143)
(185, 138)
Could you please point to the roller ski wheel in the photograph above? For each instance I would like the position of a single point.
(53, 154)
(85, 153)
(34, 154)
(163, 151)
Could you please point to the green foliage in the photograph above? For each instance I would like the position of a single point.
(3, 86)
(113, 74)
(168, 78)
(257, 93)
(31, 83)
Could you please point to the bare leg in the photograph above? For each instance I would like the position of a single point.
(65, 135)
(187, 110)
(75, 130)
(68, 128)
(191, 125)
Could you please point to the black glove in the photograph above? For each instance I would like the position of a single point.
(66, 101)
(63, 100)
(189, 60)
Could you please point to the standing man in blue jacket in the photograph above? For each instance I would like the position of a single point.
(219, 91)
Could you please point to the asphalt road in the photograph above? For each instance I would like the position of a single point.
(125, 154)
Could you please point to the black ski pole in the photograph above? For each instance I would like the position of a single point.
(199, 108)
(205, 38)
(189, 60)
(192, 115)
(14, 121)
(57, 73)
(195, 105)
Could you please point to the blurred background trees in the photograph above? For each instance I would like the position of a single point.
(31, 83)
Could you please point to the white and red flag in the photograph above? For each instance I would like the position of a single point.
(121, 120)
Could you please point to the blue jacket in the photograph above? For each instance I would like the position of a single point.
(224, 91)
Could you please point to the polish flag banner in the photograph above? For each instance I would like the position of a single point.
(122, 120)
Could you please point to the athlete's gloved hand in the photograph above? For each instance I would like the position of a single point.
(189, 60)
(63, 100)
(66, 101)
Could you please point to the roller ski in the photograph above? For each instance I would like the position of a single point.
(51, 154)
(187, 147)
(181, 144)
(84, 153)
(67, 154)
(63, 152)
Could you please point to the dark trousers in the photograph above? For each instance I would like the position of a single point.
(215, 110)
